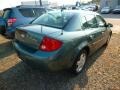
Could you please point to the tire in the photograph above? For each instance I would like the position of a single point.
(80, 62)
(108, 40)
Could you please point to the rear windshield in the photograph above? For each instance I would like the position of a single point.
(6, 13)
(56, 19)
(32, 12)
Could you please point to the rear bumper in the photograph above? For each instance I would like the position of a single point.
(46, 61)
(2, 30)
(10, 34)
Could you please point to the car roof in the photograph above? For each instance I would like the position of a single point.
(29, 6)
(24, 6)
(82, 12)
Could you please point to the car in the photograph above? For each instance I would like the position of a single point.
(17, 16)
(60, 40)
(105, 10)
(91, 7)
(116, 10)
(2, 25)
(86, 7)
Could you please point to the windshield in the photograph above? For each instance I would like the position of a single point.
(55, 19)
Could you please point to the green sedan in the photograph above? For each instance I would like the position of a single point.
(60, 40)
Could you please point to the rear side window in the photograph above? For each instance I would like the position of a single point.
(91, 21)
(6, 14)
(32, 12)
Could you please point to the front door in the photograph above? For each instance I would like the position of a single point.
(102, 26)
(92, 31)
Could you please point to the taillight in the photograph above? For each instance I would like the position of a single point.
(50, 44)
(11, 21)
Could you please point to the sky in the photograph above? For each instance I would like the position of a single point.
(11, 3)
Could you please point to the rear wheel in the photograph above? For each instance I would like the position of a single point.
(108, 40)
(80, 62)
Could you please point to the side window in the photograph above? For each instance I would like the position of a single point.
(100, 21)
(7, 13)
(84, 24)
(91, 21)
(77, 22)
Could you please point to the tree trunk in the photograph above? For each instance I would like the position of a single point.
(40, 2)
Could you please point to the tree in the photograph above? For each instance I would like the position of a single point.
(40, 2)
(96, 1)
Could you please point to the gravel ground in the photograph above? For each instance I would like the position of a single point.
(111, 16)
(102, 71)
(113, 19)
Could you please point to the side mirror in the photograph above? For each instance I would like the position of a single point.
(109, 25)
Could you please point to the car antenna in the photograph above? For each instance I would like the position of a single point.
(62, 9)
(33, 9)
(36, 13)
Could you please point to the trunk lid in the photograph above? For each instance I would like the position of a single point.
(32, 35)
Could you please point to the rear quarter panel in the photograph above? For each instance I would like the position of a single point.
(73, 43)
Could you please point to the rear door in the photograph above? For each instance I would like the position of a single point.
(102, 26)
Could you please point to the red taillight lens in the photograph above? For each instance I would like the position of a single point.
(11, 21)
(50, 44)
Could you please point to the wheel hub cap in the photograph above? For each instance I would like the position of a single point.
(81, 62)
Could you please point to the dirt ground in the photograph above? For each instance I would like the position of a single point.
(116, 23)
(102, 70)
